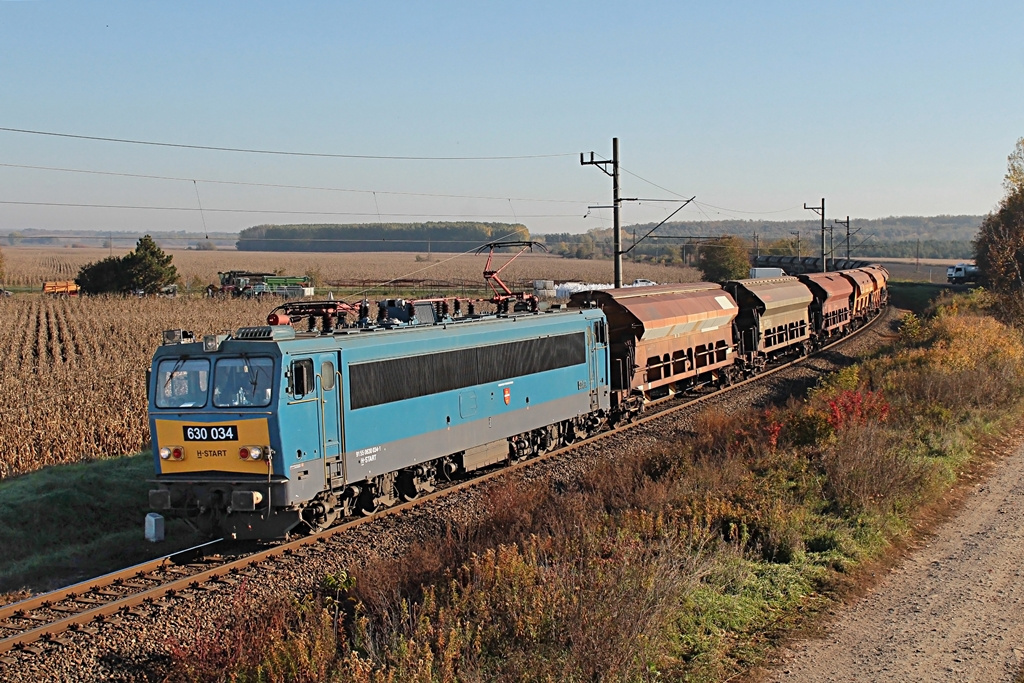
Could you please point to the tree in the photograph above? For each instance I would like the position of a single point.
(102, 276)
(2, 274)
(146, 269)
(149, 268)
(1013, 181)
(999, 254)
(999, 246)
(724, 259)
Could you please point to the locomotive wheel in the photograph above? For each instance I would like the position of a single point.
(412, 484)
(378, 494)
(326, 512)
(368, 506)
(580, 431)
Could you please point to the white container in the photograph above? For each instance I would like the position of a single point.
(154, 528)
(766, 272)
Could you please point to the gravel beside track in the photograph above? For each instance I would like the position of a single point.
(134, 647)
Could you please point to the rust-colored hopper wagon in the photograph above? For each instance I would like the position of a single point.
(664, 338)
(880, 295)
(831, 310)
(863, 288)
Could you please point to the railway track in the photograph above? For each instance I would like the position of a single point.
(29, 625)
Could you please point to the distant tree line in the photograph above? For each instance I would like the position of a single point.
(597, 244)
(955, 249)
(421, 237)
(891, 229)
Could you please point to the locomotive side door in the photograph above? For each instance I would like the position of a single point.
(330, 404)
(329, 385)
(597, 338)
(305, 426)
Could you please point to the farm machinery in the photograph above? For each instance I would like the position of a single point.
(244, 283)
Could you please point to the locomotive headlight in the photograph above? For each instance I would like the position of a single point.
(250, 452)
(165, 453)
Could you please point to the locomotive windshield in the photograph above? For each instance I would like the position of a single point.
(182, 383)
(242, 382)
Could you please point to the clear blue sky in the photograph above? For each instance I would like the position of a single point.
(883, 108)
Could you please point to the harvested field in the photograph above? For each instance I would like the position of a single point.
(30, 267)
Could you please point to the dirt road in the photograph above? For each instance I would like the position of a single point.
(953, 610)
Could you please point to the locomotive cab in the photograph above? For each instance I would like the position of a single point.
(213, 408)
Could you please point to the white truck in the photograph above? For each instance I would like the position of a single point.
(962, 273)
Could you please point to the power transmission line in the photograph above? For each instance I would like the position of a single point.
(270, 211)
(283, 186)
(277, 152)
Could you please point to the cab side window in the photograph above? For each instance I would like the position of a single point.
(302, 380)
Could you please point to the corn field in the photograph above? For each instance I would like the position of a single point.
(72, 371)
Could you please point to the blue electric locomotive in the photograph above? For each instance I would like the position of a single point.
(268, 431)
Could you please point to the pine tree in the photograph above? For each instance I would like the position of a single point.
(148, 268)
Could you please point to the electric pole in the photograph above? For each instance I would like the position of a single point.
(821, 211)
(847, 224)
(797, 233)
(614, 174)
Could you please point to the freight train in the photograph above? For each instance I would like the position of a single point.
(272, 431)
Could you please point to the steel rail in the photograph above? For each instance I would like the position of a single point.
(93, 605)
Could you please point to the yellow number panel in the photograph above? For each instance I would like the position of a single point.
(213, 446)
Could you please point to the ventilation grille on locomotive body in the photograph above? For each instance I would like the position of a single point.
(399, 379)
